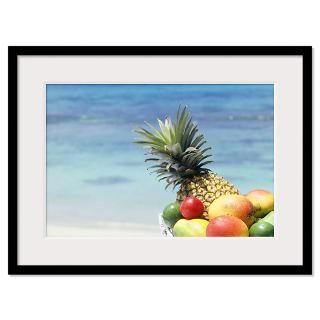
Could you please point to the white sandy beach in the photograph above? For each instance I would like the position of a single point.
(104, 229)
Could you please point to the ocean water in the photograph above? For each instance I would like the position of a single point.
(97, 175)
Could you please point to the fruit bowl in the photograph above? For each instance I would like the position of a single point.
(237, 221)
(165, 230)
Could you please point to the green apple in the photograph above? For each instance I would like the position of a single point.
(171, 214)
(261, 229)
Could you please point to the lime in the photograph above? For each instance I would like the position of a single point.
(261, 229)
(171, 214)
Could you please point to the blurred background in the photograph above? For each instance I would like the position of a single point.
(97, 182)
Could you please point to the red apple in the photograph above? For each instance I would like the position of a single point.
(191, 208)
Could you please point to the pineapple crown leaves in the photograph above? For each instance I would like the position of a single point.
(175, 148)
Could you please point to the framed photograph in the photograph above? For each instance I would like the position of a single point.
(160, 160)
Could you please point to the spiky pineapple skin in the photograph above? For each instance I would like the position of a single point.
(206, 187)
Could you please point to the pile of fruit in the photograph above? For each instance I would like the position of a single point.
(229, 216)
(206, 203)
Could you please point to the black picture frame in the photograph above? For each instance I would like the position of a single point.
(14, 268)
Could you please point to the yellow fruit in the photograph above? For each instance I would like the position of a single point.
(190, 228)
(262, 200)
(233, 205)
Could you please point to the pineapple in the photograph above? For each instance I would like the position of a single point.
(178, 157)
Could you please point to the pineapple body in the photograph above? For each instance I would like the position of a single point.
(206, 187)
(179, 158)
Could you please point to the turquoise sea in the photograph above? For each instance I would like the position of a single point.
(96, 174)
